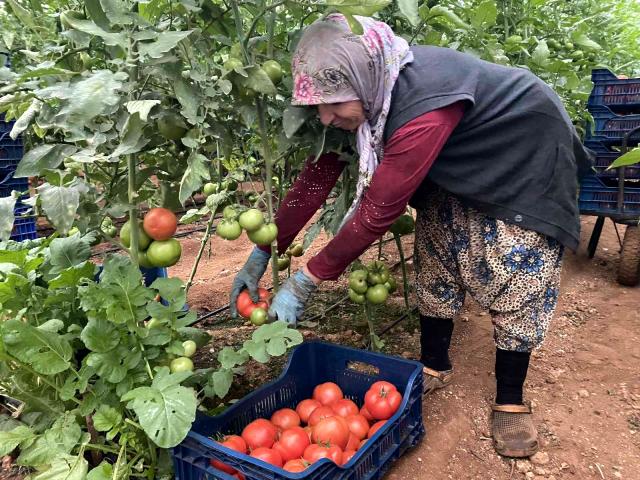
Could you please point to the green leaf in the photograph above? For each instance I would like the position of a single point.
(142, 107)
(100, 335)
(114, 365)
(258, 80)
(116, 12)
(166, 41)
(132, 137)
(629, 158)
(194, 214)
(366, 8)
(222, 380)
(293, 118)
(541, 54)
(96, 13)
(22, 14)
(106, 418)
(65, 467)
(42, 157)
(194, 176)
(7, 217)
(166, 409)
(58, 441)
(584, 41)
(171, 290)
(47, 353)
(72, 276)
(485, 14)
(409, 8)
(68, 252)
(257, 350)
(104, 471)
(198, 335)
(230, 358)
(189, 100)
(25, 119)
(11, 439)
(440, 11)
(87, 26)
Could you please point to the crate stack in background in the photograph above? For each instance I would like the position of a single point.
(11, 152)
(614, 104)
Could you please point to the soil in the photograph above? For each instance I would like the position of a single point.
(584, 383)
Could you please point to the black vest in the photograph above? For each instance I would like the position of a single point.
(515, 154)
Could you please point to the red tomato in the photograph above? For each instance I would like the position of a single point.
(239, 476)
(297, 465)
(315, 452)
(382, 385)
(259, 433)
(160, 223)
(246, 306)
(344, 407)
(331, 430)
(233, 443)
(365, 413)
(292, 443)
(347, 455)
(352, 442)
(375, 427)
(358, 426)
(306, 407)
(285, 418)
(381, 402)
(268, 455)
(309, 431)
(327, 393)
(320, 413)
(362, 443)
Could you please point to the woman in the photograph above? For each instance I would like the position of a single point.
(490, 160)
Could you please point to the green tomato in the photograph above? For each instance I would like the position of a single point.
(258, 316)
(153, 323)
(72, 231)
(143, 260)
(377, 294)
(251, 220)
(356, 297)
(110, 231)
(171, 126)
(209, 189)
(553, 44)
(125, 235)
(229, 229)
(265, 235)
(164, 253)
(233, 63)
(358, 284)
(403, 225)
(568, 45)
(273, 70)
(181, 364)
(296, 250)
(577, 55)
(358, 274)
(391, 284)
(514, 39)
(229, 212)
(283, 263)
(189, 348)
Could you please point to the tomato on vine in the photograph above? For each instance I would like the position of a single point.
(264, 235)
(377, 294)
(258, 316)
(181, 364)
(273, 70)
(160, 223)
(165, 253)
(251, 220)
(171, 126)
(229, 229)
(125, 235)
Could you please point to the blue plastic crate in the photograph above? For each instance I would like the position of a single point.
(23, 228)
(596, 198)
(617, 94)
(605, 157)
(10, 154)
(310, 364)
(8, 183)
(611, 128)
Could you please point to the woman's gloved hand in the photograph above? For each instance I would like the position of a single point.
(248, 278)
(288, 304)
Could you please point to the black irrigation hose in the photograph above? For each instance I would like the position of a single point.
(398, 320)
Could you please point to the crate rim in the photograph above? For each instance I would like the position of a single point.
(372, 441)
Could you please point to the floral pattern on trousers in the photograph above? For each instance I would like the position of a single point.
(510, 271)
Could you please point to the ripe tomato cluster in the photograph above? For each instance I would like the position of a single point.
(157, 248)
(324, 426)
(372, 285)
(255, 311)
(234, 221)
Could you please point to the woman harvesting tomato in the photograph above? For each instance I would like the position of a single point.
(490, 160)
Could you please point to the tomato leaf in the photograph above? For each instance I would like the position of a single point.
(630, 158)
(221, 382)
(257, 350)
(58, 441)
(88, 27)
(97, 14)
(142, 107)
(194, 176)
(114, 364)
(293, 118)
(166, 409)
(7, 217)
(65, 467)
(485, 14)
(104, 471)
(47, 353)
(166, 41)
(365, 8)
(409, 8)
(230, 358)
(60, 205)
(172, 290)
(11, 439)
(42, 157)
(70, 277)
(100, 335)
(106, 418)
(66, 253)
(189, 99)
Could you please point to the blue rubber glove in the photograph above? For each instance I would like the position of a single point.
(288, 304)
(248, 278)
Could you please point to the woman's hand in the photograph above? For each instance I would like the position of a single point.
(248, 278)
(288, 304)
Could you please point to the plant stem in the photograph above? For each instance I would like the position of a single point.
(372, 331)
(203, 244)
(380, 251)
(131, 168)
(405, 280)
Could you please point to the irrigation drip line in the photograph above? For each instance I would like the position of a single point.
(397, 321)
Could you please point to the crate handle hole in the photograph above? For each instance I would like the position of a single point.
(362, 367)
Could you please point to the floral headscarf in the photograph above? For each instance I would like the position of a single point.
(332, 65)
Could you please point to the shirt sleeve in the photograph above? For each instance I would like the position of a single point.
(408, 156)
(305, 196)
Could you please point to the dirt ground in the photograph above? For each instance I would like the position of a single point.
(584, 383)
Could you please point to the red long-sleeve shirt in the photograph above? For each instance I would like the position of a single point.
(408, 156)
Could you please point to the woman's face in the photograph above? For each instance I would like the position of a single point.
(345, 115)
